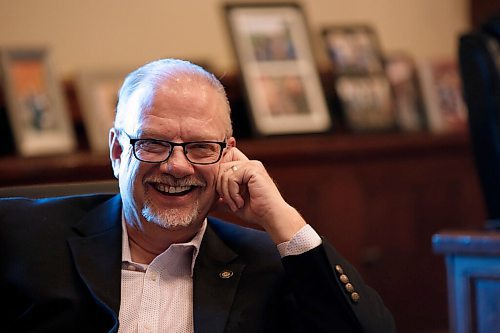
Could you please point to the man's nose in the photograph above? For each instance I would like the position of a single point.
(177, 164)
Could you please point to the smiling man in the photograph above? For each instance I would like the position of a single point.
(151, 259)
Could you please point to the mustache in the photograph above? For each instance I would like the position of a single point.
(173, 181)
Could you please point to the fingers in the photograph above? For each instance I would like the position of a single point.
(234, 154)
(230, 186)
(230, 182)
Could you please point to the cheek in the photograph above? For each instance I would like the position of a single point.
(210, 175)
(128, 167)
(131, 176)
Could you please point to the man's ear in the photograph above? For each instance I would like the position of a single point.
(231, 142)
(115, 151)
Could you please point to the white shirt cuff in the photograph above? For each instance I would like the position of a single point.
(304, 240)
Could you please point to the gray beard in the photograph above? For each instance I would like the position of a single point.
(170, 219)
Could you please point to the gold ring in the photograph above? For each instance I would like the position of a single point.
(234, 168)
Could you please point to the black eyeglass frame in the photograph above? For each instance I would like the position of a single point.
(133, 141)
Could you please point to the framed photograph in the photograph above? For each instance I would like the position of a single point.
(278, 69)
(367, 103)
(97, 93)
(36, 108)
(442, 93)
(353, 49)
(363, 90)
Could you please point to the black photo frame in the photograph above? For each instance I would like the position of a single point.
(362, 88)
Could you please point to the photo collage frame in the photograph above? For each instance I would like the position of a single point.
(278, 69)
(361, 84)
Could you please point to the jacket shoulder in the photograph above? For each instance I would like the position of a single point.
(69, 208)
(87, 201)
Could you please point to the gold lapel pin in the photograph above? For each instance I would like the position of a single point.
(226, 274)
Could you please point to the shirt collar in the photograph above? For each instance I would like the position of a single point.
(194, 243)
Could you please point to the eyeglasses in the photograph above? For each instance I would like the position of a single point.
(158, 151)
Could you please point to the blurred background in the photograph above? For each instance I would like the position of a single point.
(378, 194)
(117, 34)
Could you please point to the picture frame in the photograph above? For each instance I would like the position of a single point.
(441, 87)
(353, 49)
(35, 104)
(97, 93)
(278, 69)
(362, 87)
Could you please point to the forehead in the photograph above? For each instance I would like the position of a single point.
(181, 105)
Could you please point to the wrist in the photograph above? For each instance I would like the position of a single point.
(284, 224)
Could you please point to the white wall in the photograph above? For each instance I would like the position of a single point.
(95, 34)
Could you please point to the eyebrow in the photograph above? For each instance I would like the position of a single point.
(149, 135)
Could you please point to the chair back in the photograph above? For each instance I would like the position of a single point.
(479, 62)
(60, 189)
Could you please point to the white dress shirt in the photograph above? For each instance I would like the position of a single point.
(159, 297)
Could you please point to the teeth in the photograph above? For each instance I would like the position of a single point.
(177, 189)
(171, 189)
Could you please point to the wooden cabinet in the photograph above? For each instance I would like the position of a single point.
(378, 198)
(473, 268)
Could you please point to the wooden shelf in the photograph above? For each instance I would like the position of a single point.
(351, 147)
(54, 169)
(85, 165)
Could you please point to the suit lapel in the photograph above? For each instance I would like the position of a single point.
(97, 253)
(97, 256)
(217, 273)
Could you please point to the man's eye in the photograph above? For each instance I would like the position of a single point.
(152, 146)
(203, 147)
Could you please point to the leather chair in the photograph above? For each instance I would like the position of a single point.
(479, 61)
(60, 189)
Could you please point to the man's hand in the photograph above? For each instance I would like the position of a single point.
(246, 188)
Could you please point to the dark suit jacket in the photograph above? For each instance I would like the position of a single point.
(60, 269)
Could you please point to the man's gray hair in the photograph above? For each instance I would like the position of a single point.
(146, 79)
